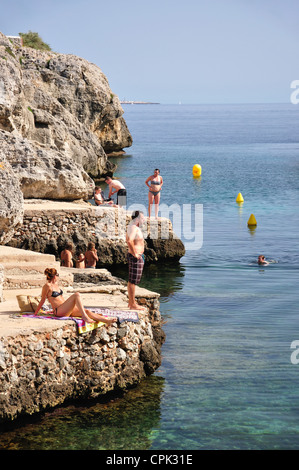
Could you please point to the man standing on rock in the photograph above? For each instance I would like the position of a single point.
(119, 189)
(135, 242)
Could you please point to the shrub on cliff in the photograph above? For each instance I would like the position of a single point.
(33, 40)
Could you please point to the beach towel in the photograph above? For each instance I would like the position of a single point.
(82, 326)
(122, 315)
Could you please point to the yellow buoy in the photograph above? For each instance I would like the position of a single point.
(251, 220)
(240, 198)
(196, 170)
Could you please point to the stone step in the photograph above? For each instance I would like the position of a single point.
(25, 269)
(9, 254)
(24, 279)
(28, 281)
(29, 268)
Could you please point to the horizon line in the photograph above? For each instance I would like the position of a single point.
(204, 103)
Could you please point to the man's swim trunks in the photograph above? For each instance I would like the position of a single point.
(135, 268)
(121, 197)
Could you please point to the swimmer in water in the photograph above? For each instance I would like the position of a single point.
(262, 260)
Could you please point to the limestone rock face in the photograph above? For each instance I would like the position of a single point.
(11, 202)
(62, 108)
(46, 174)
(114, 136)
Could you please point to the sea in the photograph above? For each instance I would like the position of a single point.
(229, 377)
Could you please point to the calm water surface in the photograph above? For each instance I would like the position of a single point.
(226, 380)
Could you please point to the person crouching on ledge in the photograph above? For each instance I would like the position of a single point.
(119, 189)
(72, 307)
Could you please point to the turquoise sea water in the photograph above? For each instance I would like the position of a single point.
(226, 380)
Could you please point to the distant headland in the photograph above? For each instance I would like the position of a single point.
(137, 102)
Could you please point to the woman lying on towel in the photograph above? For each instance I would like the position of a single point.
(72, 307)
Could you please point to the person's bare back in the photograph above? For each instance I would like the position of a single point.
(66, 256)
(91, 256)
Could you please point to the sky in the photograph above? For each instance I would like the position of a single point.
(173, 51)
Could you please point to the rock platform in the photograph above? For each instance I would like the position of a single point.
(45, 362)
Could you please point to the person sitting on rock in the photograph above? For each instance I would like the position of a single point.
(80, 262)
(99, 198)
(91, 256)
(72, 307)
(66, 256)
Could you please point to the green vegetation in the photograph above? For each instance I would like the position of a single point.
(9, 51)
(33, 40)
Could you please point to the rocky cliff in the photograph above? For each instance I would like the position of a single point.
(11, 201)
(58, 120)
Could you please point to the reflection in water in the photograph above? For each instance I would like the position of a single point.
(124, 423)
(252, 229)
(240, 207)
(165, 279)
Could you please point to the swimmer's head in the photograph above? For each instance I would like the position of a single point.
(262, 260)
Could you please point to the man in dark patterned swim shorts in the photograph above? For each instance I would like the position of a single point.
(135, 242)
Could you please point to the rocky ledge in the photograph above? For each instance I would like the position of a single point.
(44, 363)
(48, 225)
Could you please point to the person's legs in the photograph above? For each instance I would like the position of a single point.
(73, 306)
(98, 317)
(150, 202)
(135, 272)
(157, 201)
(131, 294)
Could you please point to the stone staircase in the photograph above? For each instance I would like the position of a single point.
(24, 269)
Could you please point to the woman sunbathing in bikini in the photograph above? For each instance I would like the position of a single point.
(72, 307)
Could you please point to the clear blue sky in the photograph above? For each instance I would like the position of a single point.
(170, 51)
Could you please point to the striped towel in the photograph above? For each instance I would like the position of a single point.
(83, 327)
